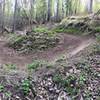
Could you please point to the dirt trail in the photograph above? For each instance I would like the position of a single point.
(81, 47)
(68, 46)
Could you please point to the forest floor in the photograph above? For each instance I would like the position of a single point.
(71, 71)
(68, 46)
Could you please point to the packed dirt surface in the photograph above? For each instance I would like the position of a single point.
(69, 45)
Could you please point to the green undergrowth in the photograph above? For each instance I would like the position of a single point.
(72, 84)
(38, 64)
(15, 41)
(77, 31)
(44, 30)
(10, 67)
(3, 91)
(76, 83)
(96, 47)
(24, 88)
(98, 38)
(34, 65)
(35, 41)
(59, 29)
(67, 30)
(81, 25)
(97, 29)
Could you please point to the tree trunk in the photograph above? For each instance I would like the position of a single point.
(31, 13)
(57, 13)
(91, 6)
(49, 10)
(15, 16)
(2, 15)
(63, 9)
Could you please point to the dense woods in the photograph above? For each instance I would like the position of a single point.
(16, 14)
